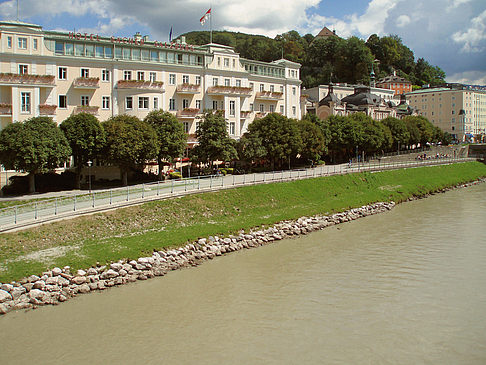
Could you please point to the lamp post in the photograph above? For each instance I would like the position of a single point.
(89, 174)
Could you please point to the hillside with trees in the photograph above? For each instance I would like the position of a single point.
(333, 59)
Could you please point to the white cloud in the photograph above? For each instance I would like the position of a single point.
(469, 77)
(403, 20)
(474, 38)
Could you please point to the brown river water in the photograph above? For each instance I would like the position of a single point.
(404, 287)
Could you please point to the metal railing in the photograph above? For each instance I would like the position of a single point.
(42, 210)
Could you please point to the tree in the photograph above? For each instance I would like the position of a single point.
(279, 137)
(130, 142)
(313, 141)
(171, 137)
(214, 143)
(399, 131)
(372, 133)
(86, 137)
(35, 146)
(354, 61)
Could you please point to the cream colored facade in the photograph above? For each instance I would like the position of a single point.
(58, 74)
(462, 113)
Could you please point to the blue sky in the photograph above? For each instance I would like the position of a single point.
(448, 33)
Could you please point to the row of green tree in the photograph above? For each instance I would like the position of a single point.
(39, 145)
(332, 59)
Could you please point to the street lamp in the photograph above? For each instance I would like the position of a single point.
(89, 174)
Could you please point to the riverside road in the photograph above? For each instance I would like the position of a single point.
(65, 205)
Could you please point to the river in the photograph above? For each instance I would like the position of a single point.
(404, 287)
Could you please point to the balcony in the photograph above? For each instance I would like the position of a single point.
(188, 113)
(230, 90)
(157, 86)
(26, 79)
(45, 109)
(245, 113)
(93, 110)
(268, 95)
(261, 114)
(5, 109)
(188, 88)
(86, 83)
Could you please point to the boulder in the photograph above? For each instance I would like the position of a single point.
(56, 271)
(84, 288)
(108, 274)
(4, 296)
(78, 280)
(6, 287)
(116, 266)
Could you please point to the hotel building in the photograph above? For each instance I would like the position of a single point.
(461, 112)
(59, 74)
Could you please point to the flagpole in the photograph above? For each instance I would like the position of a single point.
(210, 25)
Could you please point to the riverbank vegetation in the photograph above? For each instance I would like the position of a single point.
(136, 231)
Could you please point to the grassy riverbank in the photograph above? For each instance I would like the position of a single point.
(135, 231)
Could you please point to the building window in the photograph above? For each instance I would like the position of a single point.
(238, 83)
(105, 102)
(84, 100)
(226, 62)
(272, 88)
(185, 79)
(129, 102)
(185, 103)
(23, 69)
(172, 104)
(105, 75)
(219, 61)
(22, 43)
(35, 44)
(156, 103)
(281, 109)
(294, 111)
(232, 128)
(226, 82)
(262, 108)
(9, 42)
(272, 108)
(281, 89)
(62, 73)
(262, 87)
(84, 72)
(186, 127)
(234, 63)
(232, 108)
(252, 108)
(294, 90)
(172, 79)
(127, 75)
(215, 105)
(222, 105)
(62, 102)
(198, 80)
(215, 81)
(143, 102)
(25, 102)
(198, 104)
(140, 75)
(153, 76)
(251, 85)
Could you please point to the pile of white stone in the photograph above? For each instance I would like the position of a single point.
(58, 285)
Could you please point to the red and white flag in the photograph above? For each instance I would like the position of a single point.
(205, 17)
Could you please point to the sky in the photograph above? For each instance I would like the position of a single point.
(450, 34)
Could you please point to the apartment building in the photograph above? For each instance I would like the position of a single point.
(59, 74)
(461, 112)
(396, 83)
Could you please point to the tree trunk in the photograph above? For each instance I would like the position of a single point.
(124, 173)
(161, 172)
(77, 182)
(32, 182)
